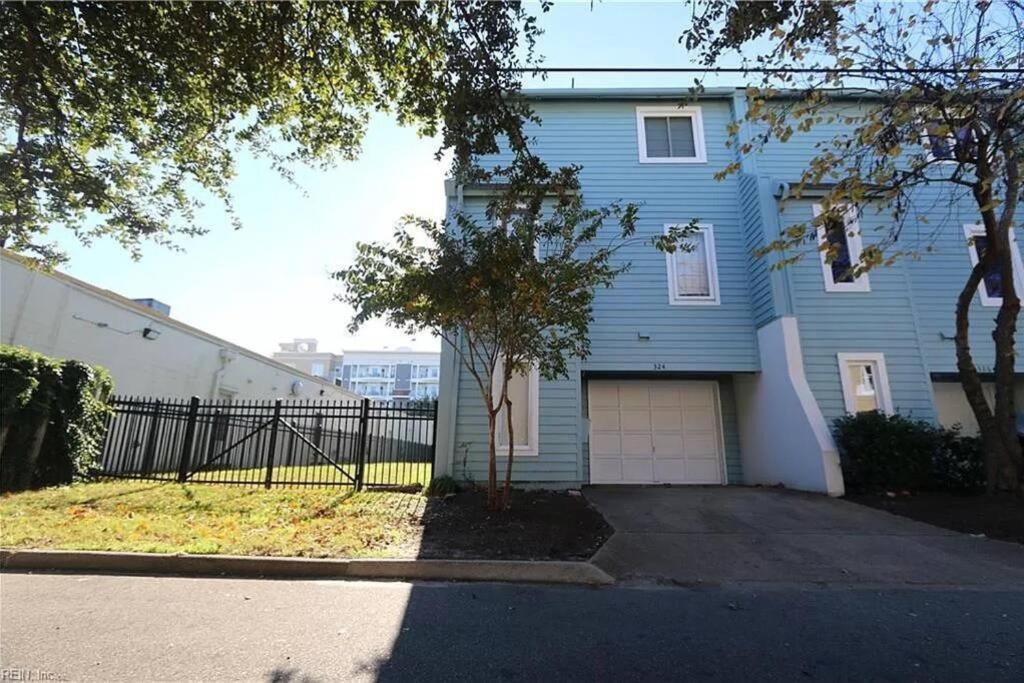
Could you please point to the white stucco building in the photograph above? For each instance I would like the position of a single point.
(147, 352)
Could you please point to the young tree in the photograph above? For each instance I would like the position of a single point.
(118, 117)
(508, 294)
(942, 106)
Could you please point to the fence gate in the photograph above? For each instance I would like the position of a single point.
(271, 443)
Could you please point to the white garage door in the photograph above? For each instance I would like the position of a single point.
(654, 432)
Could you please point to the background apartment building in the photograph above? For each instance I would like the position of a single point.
(302, 354)
(392, 373)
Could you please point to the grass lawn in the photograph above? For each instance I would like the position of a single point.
(168, 517)
(201, 518)
(390, 473)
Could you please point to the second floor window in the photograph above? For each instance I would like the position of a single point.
(991, 288)
(670, 135)
(693, 274)
(840, 248)
(316, 369)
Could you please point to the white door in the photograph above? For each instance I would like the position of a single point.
(655, 432)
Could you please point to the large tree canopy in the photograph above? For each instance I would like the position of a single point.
(118, 118)
(937, 95)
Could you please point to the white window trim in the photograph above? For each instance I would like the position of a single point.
(698, 134)
(713, 299)
(972, 230)
(855, 245)
(531, 449)
(881, 380)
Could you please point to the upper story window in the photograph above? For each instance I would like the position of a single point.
(316, 369)
(991, 288)
(942, 144)
(670, 135)
(840, 247)
(693, 274)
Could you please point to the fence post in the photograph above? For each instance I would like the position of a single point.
(364, 416)
(433, 445)
(273, 443)
(190, 435)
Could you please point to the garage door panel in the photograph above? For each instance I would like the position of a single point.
(666, 396)
(605, 470)
(702, 418)
(604, 396)
(636, 445)
(667, 445)
(633, 396)
(640, 471)
(606, 444)
(670, 470)
(645, 432)
(605, 419)
(665, 419)
(636, 420)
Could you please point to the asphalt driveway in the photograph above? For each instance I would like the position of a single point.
(716, 535)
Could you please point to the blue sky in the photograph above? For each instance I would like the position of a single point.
(268, 282)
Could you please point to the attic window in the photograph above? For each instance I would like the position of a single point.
(670, 135)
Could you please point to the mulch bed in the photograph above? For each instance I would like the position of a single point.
(542, 525)
(999, 517)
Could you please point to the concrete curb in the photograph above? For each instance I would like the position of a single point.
(303, 567)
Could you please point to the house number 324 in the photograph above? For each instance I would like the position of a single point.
(659, 366)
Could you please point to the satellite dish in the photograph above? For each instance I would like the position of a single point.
(296, 387)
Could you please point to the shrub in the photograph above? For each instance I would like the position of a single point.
(959, 462)
(896, 453)
(442, 486)
(52, 418)
(881, 451)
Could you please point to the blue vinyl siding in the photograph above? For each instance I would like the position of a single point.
(602, 137)
(761, 294)
(905, 315)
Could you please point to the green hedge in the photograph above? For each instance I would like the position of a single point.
(52, 415)
(895, 453)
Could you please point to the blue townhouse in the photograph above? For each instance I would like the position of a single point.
(709, 367)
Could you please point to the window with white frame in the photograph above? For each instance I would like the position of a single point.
(942, 144)
(840, 248)
(670, 135)
(524, 394)
(865, 382)
(316, 369)
(692, 271)
(991, 288)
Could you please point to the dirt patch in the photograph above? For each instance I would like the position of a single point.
(542, 525)
(999, 517)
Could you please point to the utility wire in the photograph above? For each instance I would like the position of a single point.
(741, 70)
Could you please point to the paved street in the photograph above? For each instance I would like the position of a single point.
(109, 628)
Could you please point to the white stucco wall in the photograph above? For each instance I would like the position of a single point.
(60, 316)
(783, 435)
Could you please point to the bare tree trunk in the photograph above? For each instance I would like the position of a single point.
(993, 441)
(506, 497)
(492, 460)
(32, 454)
(3, 437)
(1007, 473)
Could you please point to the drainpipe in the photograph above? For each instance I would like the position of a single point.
(226, 357)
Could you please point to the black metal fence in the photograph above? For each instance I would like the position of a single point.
(271, 443)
